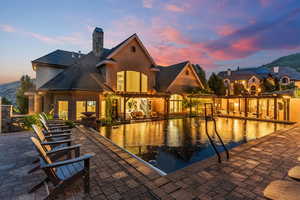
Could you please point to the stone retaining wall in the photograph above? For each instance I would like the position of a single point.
(5, 118)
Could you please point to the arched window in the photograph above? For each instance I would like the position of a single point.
(285, 80)
(176, 103)
(135, 81)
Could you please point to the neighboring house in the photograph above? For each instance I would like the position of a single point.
(251, 78)
(72, 83)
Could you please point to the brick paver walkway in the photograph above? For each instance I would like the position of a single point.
(117, 175)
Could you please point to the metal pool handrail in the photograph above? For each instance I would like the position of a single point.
(215, 127)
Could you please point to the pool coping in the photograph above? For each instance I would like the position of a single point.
(168, 186)
(140, 165)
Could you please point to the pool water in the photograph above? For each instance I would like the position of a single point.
(173, 144)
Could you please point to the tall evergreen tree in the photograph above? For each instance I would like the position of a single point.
(22, 100)
(216, 84)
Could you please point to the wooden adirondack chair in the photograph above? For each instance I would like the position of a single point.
(51, 121)
(51, 143)
(54, 129)
(62, 173)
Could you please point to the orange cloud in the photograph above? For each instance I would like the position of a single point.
(174, 8)
(225, 30)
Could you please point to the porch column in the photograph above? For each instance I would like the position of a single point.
(124, 108)
(37, 103)
(167, 103)
(31, 104)
(257, 108)
(227, 106)
(288, 110)
(246, 107)
(275, 108)
(268, 105)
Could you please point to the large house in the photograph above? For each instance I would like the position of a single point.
(124, 76)
(251, 78)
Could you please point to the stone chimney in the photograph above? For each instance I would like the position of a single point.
(228, 72)
(276, 69)
(98, 41)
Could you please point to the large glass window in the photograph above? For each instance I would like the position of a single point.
(80, 108)
(135, 81)
(63, 107)
(176, 103)
(132, 81)
(120, 81)
(84, 106)
(144, 83)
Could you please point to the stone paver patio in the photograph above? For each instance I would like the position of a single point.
(115, 174)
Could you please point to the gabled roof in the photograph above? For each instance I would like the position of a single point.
(168, 74)
(117, 48)
(288, 71)
(59, 57)
(260, 72)
(82, 75)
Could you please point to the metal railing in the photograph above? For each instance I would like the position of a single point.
(211, 118)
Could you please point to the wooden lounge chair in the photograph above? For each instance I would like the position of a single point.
(62, 173)
(282, 190)
(53, 129)
(294, 173)
(51, 143)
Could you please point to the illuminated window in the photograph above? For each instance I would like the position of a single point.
(63, 107)
(84, 106)
(176, 103)
(284, 80)
(91, 106)
(120, 81)
(144, 86)
(80, 108)
(103, 109)
(135, 81)
(132, 81)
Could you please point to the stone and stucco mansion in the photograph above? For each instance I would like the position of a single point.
(72, 83)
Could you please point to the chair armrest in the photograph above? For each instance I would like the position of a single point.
(56, 142)
(57, 132)
(69, 148)
(65, 135)
(57, 125)
(67, 162)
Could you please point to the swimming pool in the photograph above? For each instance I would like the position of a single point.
(173, 144)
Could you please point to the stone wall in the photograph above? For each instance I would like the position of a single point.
(5, 118)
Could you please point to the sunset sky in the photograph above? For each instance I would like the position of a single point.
(216, 34)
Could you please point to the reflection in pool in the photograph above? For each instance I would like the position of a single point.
(173, 144)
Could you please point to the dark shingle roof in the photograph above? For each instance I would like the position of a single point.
(290, 72)
(167, 75)
(59, 57)
(82, 75)
(260, 72)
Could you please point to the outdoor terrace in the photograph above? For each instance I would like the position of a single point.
(117, 175)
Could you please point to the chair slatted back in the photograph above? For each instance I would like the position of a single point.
(38, 131)
(44, 124)
(45, 116)
(46, 159)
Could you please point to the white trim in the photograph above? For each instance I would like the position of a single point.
(182, 71)
(127, 42)
(288, 78)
